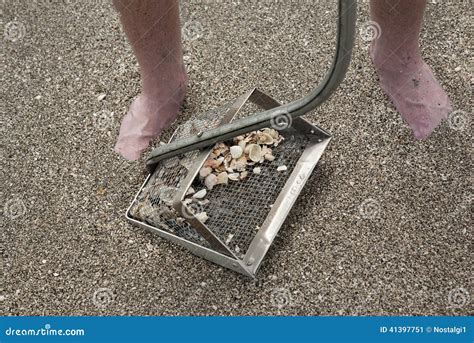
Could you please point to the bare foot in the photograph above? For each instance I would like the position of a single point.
(413, 89)
(148, 116)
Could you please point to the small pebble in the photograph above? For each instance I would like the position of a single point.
(282, 168)
(200, 194)
(229, 238)
(202, 217)
(101, 97)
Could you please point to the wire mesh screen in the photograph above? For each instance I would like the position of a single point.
(235, 210)
(153, 205)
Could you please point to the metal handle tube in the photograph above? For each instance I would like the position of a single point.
(341, 60)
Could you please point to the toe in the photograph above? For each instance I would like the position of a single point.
(128, 154)
(130, 147)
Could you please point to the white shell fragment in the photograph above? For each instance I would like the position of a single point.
(205, 171)
(234, 176)
(269, 157)
(202, 217)
(236, 162)
(255, 152)
(241, 163)
(222, 178)
(272, 132)
(264, 138)
(200, 194)
(210, 181)
(236, 151)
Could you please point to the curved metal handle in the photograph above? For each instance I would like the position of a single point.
(341, 60)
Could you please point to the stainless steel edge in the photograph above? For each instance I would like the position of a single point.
(136, 196)
(282, 206)
(210, 255)
(196, 249)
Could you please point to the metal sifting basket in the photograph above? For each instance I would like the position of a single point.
(244, 217)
